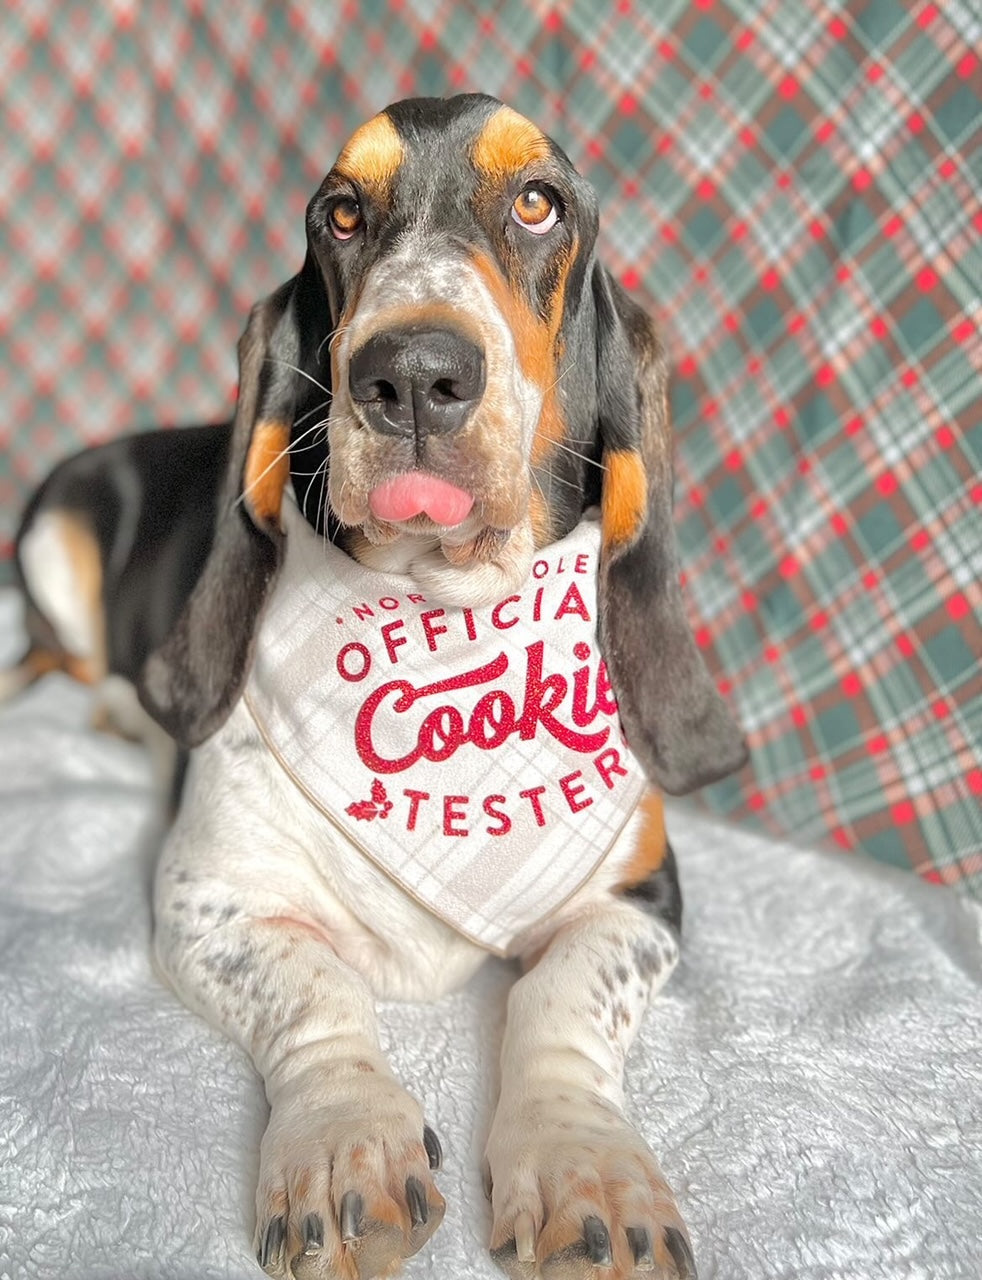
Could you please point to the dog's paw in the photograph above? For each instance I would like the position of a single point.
(576, 1194)
(345, 1187)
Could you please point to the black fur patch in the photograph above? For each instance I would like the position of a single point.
(659, 895)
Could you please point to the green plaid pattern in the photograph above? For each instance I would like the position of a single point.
(795, 190)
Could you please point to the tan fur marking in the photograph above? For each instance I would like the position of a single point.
(507, 144)
(550, 430)
(266, 470)
(624, 505)
(372, 156)
(84, 670)
(291, 922)
(652, 843)
(537, 345)
(559, 293)
(85, 557)
(532, 336)
(386, 1212)
(541, 518)
(552, 427)
(39, 662)
(278, 1202)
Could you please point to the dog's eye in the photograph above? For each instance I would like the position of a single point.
(345, 218)
(535, 211)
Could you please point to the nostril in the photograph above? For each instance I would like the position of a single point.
(382, 390)
(445, 389)
(416, 381)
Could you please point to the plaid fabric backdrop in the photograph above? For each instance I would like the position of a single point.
(793, 187)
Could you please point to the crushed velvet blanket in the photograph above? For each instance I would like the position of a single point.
(810, 1078)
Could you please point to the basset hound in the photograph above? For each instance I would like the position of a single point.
(373, 608)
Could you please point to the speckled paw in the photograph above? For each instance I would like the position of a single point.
(344, 1196)
(577, 1195)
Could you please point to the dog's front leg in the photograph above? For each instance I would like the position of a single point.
(345, 1188)
(573, 1186)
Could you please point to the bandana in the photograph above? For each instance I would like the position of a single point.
(474, 755)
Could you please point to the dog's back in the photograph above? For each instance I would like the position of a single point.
(109, 548)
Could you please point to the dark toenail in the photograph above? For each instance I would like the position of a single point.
(505, 1256)
(272, 1241)
(639, 1238)
(681, 1253)
(313, 1233)
(434, 1152)
(351, 1208)
(597, 1242)
(419, 1210)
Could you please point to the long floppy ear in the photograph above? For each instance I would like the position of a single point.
(191, 682)
(675, 721)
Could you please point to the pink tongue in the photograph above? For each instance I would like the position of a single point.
(414, 492)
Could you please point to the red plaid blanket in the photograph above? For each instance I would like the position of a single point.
(795, 186)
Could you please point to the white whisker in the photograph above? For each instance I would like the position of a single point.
(303, 373)
(575, 453)
(569, 367)
(554, 479)
(316, 409)
(310, 485)
(282, 454)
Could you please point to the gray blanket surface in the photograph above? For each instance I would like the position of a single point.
(810, 1079)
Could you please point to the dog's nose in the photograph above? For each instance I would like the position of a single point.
(416, 381)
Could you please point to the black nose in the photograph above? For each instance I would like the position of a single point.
(416, 381)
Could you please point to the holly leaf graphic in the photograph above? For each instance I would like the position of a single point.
(380, 806)
(363, 810)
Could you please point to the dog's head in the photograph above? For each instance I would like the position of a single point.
(449, 381)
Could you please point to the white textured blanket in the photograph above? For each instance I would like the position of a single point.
(811, 1078)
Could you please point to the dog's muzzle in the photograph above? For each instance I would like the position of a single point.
(413, 382)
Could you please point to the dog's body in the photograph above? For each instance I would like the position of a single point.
(488, 382)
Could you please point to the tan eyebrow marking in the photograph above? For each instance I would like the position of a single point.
(372, 155)
(507, 144)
